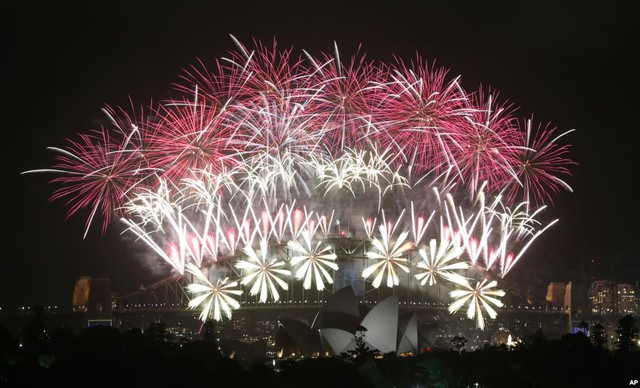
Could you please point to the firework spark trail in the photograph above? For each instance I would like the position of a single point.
(419, 225)
(159, 213)
(189, 136)
(97, 173)
(268, 70)
(359, 171)
(274, 140)
(220, 87)
(369, 226)
(205, 195)
(466, 223)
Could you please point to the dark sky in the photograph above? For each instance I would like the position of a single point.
(568, 63)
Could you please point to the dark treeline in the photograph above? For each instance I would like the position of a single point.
(103, 356)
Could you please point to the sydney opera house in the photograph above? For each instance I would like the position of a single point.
(339, 323)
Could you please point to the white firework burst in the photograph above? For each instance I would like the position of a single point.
(263, 272)
(314, 261)
(273, 138)
(156, 216)
(213, 299)
(480, 297)
(437, 263)
(388, 258)
(368, 170)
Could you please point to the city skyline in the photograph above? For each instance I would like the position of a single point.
(82, 72)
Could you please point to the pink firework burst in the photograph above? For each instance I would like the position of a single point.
(267, 71)
(486, 147)
(344, 96)
(273, 139)
(97, 173)
(280, 127)
(540, 162)
(422, 112)
(218, 84)
(188, 136)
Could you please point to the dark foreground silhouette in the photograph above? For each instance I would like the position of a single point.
(106, 357)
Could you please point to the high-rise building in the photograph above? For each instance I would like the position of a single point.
(607, 297)
(601, 297)
(626, 299)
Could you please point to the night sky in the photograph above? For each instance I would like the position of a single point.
(570, 64)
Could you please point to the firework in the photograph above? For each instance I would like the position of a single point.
(423, 112)
(214, 299)
(480, 297)
(273, 140)
(437, 263)
(345, 92)
(263, 272)
(186, 137)
(486, 149)
(268, 152)
(313, 261)
(359, 171)
(101, 169)
(268, 70)
(160, 219)
(540, 162)
(389, 257)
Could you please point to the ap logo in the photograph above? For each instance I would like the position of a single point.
(633, 382)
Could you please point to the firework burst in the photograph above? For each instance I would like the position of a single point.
(539, 164)
(212, 299)
(188, 136)
(486, 149)
(345, 92)
(480, 297)
(389, 257)
(268, 151)
(423, 112)
(263, 272)
(437, 263)
(314, 262)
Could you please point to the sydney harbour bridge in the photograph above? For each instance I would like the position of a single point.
(168, 299)
(171, 295)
